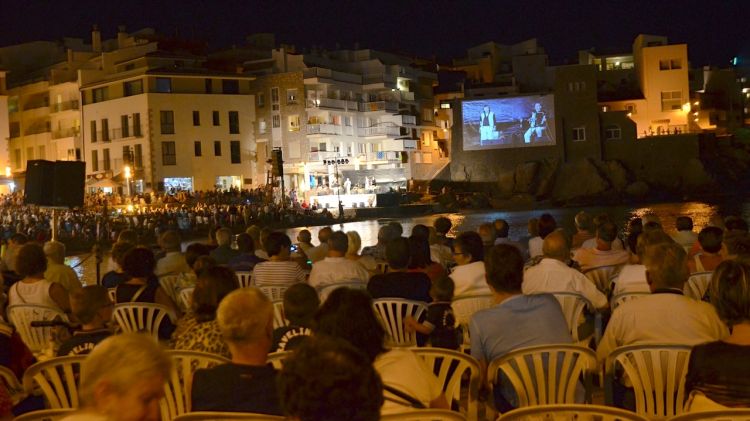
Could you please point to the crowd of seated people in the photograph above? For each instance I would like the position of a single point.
(339, 328)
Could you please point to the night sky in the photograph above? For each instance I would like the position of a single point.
(715, 31)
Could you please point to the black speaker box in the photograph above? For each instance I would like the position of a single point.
(57, 184)
(40, 182)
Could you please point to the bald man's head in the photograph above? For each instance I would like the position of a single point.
(555, 246)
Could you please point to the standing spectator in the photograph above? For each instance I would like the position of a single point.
(468, 276)
(336, 268)
(278, 270)
(173, 262)
(57, 270)
(224, 252)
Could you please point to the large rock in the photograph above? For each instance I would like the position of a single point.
(694, 176)
(505, 184)
(547, 175)
(578, 179)
(638, 189)
(524, 177)
(616, 174)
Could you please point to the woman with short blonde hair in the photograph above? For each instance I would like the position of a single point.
(352, 253)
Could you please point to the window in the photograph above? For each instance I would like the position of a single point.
(215, 117)
(17, 157)
(234, 151)
(579, 134)
(105, 130)
(670, 64)
(15, 129)
(671, 100)
(163, 85)
(124, 128)
(217, 148)
(612, 133)
(99, 95)
(274, 95)
(291, 96)
(107, 167)
(127, 155)
(276, 121)
(95, 160)
(208, 83)
(94, 137)
(168, 153)
(197, 148)
(262, 126)
(166, 118)
(42, 152)
(29, 153)
(138, 156)
(230, 86)
(234, 122)
(134, 87)
(12, 104)
(137, 124)
(577, 86)
(445, 105)
(294, 123)
(630, 108)
(323, 147)
(196, 118)
(427, 114)
(261, 99)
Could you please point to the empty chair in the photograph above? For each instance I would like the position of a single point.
(657, 373)
(244, 278)
(697, 285)
(221, 416)
(450, 368)
(624, 297)
(274, 293)
(324, 290)
(425, 415)
(45, 415)
(739, 414)
(602, 277)
(177, 390)
(279, 319)
(141, 317)
(567, 412)
(36, 338)
(392, 312)
(57, 378)
(546, 374)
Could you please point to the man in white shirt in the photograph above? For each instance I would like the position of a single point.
(319, 252)
(665, 316)
(173, 261)
(632, 277)
(552, 274)
(57, 270)
(685, 235)
(469, 275)
(335, 268)
(545, 226)
(603, 254)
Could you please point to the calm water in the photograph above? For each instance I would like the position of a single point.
(368, 230)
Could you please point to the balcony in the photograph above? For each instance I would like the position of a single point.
(130, 131)
(388, 106)
(36, 103)
(330, 75)
(324, 129)
(65, 106)
(386, 80)
(332, 104)
(379, 131)
(399, 145)
(383, 156)
(408, 120)
(61, 134)
(318, 156)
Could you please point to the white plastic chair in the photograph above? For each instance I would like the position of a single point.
(739, 414)
(697, 285)
(625, 297)
(464, 307)
(173, 283)
(15, 389)
(658, 375)
(142, 317)
(392, 312)
(567, 412)
(244, 279)
(186, 298)
(274, 293)
(36, 338)
(45, 415)
(450, 367)
(112, 292)
(325, 290)
(279, 319)
(602, 276)
(277, 358)
(425, 415)
(222, 416)
(177, 390)
(573, 304)
(546, 374)
(58, 380)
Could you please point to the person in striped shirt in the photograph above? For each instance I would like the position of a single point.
(278, 270)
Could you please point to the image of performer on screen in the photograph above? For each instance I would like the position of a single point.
(537, 124)
(487, 125)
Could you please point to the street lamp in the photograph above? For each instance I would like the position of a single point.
(126, 170)
(335, 163)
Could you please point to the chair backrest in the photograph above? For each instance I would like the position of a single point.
(602, 276)
(572, 304)
(697, 285)
(738, 414)
(465, 306)
(277, 358)
(450, 367)
(425, 415)
(325, 290)
(392, 312)
(186, 298)
(546, 374)
(221, 416)
(45, 415)
(36, 338)
(177, 390)
(274, 293)
(141, 317)
(279, 319)
(15, 389)
(626, 296)
(566, 412)
(658, 375)
(244, 278)
(173, 283)
(58, 380)
(112, 292)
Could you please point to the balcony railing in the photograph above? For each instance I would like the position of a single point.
(130, 131)
(37, 103)
(324, 129)
(330, 103)
(37, 130)
(64, 106)
(60, 134)
(379, 106)
(379, 131)
(408, 119)
(317, 156)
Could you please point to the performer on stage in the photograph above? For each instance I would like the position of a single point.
(537, 124)
(487, 125)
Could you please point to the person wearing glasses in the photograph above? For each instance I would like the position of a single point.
(469, 274)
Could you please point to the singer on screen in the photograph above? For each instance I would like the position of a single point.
(487, 125)
(537, 124)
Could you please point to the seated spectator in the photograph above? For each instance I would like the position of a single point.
(300, 304)
(352, 253)
(603, 254)
(632, 277)
(545, 226)
(347, 314)
(194, 251)
(278, 270)
(398, 282)
(443, 226)
(665, 316)
(224, 252)
(117, 276)
(173, 261)
(377, 252)
(635, 228)
(709, 257)
(617, 243)
(92, 308)
(439, 252)
(15, 242)
(348, 389)
(304, 239)
(262, 251)
(440, 324)
(336, 268)
(584, 230)
(246, 260)
(198, 330)
(502, 229)
(488, 235)
(532, 230)
(398, 229)
(552, 274)
(515, 320)
(421, 261)
(319, 253)
(122, 379)
(31, 263)
(718, 372)
(57, 270)
(248, 383)
(468, 275)
(685, 235)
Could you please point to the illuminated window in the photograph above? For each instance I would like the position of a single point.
(612, 133)
(671, 100)
(291, 96)
(630, 108)
(262, 126)
(261, 99)
(445, 105)
(579, 134)
(294, 123)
